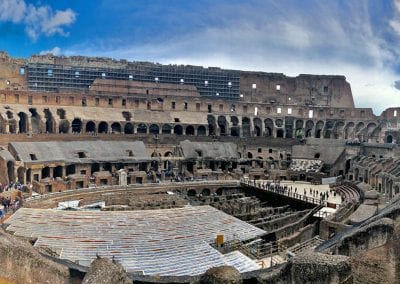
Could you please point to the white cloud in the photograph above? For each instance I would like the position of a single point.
(12, 10)
(55, 51)
(395, 22)
(37, 19)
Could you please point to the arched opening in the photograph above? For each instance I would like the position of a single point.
(338, 130)
(269, 127)
(389, 139)
(189, 130)
(128, 129)
(90, 127)
(347, 166)
(116, 128)
(58, 172)
(76, 125)
(201, 131)
(222, 125)
(12, 126)
(235, 130)
(257, 127)
(21, 174)
(246, 127)
(220, 191)
(166, 129)
(279, 133)
(142, 128)
(348, 132)
(23, 122)
(28, 175)
(168, 154)
(249, 155)
(9, 114)
(10, 171)
(211, 125)
(317, 155)
(154, 129)
(35, 120)
(206, 192)
(178, 130)
(373, 132)
(191, 192)
(103, 127)
(49, 121)
(45, 172)
(318, 129)
(63, 127)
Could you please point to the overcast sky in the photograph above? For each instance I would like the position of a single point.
(356, 38)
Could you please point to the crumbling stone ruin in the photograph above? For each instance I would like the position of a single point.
(278, 179)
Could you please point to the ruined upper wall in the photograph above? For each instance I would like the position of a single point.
(276, 88)
(10, 77)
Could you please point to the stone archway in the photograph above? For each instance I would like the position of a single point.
(116, 128)
(63, 126)
(222, 124)
(178, 130)
(246, 127)
(128, 129)
(257, 127)
(166, 129)
(201, 131)
(103, 127)
(76, 125)
(90, 127)
(189, 130)
(23, 122)
(142, 128)
(154, 129)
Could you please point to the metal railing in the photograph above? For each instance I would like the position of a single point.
(282, 191)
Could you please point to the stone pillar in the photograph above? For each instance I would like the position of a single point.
(251, 127)
(64, 171)
(123, 180)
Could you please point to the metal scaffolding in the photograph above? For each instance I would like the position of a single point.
(210, 82)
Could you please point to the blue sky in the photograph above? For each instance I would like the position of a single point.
(356, 38)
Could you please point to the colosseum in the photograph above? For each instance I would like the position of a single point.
(138, 172)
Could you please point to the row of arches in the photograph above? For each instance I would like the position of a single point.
(216, 125)
(130, 128)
